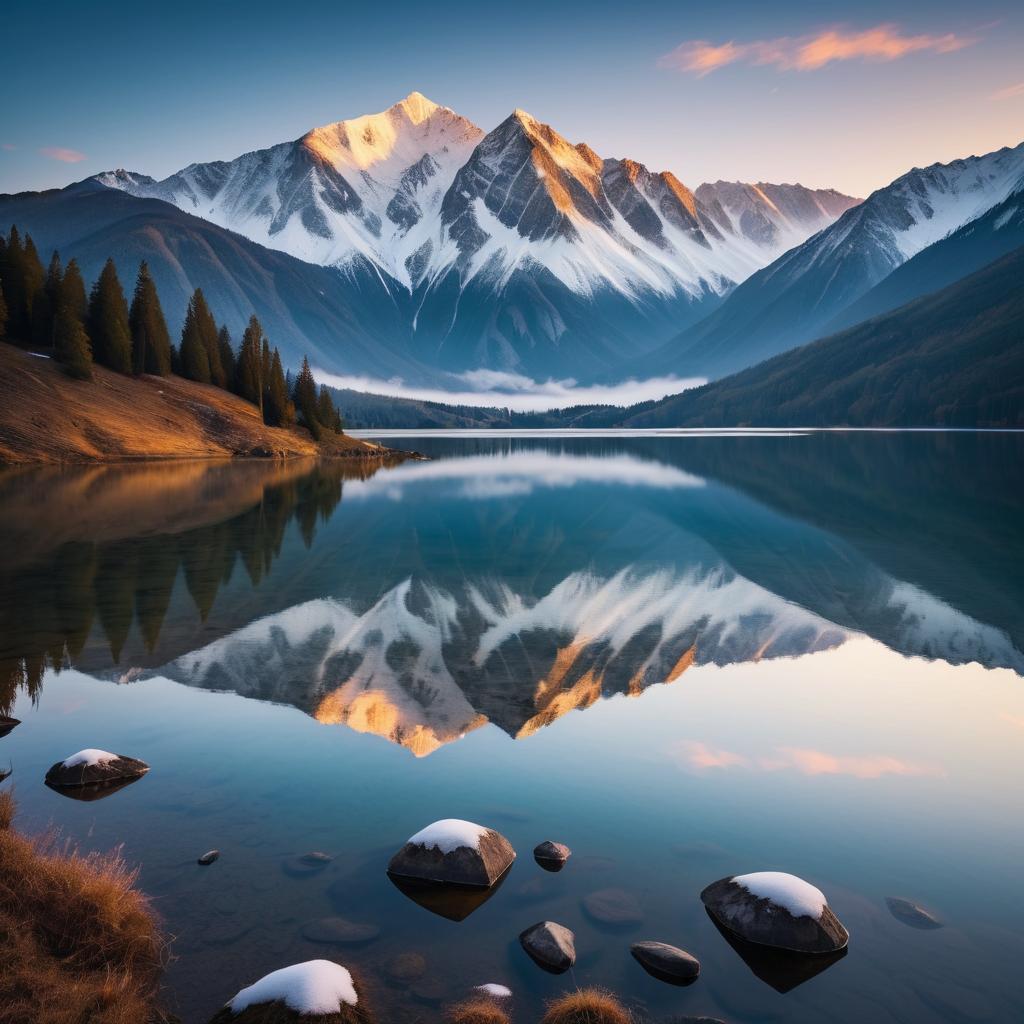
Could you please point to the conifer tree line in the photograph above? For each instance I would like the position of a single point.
(50, 310)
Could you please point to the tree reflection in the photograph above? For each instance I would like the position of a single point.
(49, 607)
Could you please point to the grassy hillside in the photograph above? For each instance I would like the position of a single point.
(45, 416)
(954, 358)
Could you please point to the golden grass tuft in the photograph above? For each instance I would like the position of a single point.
(587, 1006)
(80, 942)
(478, 1010)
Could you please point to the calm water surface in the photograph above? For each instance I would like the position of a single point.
(686, 657)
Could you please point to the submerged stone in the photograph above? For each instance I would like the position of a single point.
(454, 852)
(613, 907)
(771, 908)
(208, 858)
(339, 931)
(909, 913)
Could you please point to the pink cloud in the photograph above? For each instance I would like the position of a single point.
(872, 766)
(8, 147)
(66, 156)
(1016, 720)
(701, 757)
(1009, 92)
(810, 52)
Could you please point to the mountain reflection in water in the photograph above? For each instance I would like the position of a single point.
(506, 582)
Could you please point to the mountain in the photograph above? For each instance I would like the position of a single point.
(953, 358)
(305, 309)
(774, 216)
(513, 250)
(975, 245)
(796, 298)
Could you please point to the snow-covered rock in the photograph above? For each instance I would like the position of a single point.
(454, 852)
(773, 908)
(91, 767)
(315, 988)
(550, 945)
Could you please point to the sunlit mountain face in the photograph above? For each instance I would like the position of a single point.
(505, 583)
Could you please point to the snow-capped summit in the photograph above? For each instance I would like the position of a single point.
(514, 250)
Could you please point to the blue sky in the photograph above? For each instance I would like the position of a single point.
(827, 94)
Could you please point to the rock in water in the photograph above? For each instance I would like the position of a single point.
(94, 768)
(454, 852)
(339, 931)
(7, 724)
(772, 908)
(317, 989)
(613, 907)
(552, 856)
(209, 857)
(665, 962)
(909, 913)
(550, 945)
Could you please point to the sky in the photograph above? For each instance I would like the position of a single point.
(828, 94)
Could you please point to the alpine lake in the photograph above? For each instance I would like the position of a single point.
(685, 655)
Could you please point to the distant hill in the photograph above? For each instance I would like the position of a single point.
(953, 358)
(304, 309)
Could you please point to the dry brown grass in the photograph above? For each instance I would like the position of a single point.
(45, 416)
(587, 1006)
(478, 1010)
(80, 943)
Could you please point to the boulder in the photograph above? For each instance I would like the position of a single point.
(316, 990)
(208, 858)
(772, 908)
(613, 907)
(339, 931)
(909, 913)
(552, 856)
(550, 945)
(454, 852)
(665, 962)
(94, 768)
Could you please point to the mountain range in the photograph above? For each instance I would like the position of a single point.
(448, 248)
(413, 244)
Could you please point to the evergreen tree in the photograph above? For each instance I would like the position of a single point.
(3, 313)
(305, 400)
(278, 410)
(44, 309)
(107, 322)
(35, 282)
(195, 363)
(250, 364)
(72, 292)
(21, 283)
(151, 342)
(71, 344)
(326, 414)
(227, 358)
(207, 328)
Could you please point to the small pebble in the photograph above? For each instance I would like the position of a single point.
(209, 857)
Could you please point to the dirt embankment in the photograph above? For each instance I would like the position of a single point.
(45, 416)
